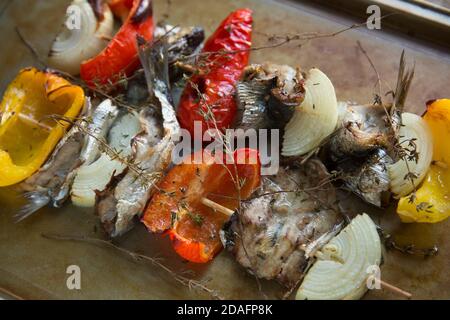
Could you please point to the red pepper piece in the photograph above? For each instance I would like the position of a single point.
(226, 54)
(121, 8)
(120, 57)
(176, 209)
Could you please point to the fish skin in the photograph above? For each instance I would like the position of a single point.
(137, 91)
(267, 96)
(362, 129)
(182, 42)
(49, 184)
(132, 192)
(370, 178)
(101, 120)
(252, 105)
(267, 234)
(126, 196)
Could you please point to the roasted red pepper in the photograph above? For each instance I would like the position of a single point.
(120, 56)
(226, 54)
(121, 8)
(177, 209)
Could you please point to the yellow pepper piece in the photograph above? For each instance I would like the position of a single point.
(432, 202)
(27, 134)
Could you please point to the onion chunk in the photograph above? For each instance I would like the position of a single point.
(415, 138)
(314, 119)
(79, 42)
(341, 272)
(98, 174)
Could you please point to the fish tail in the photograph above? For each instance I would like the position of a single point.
(404, 80)
(154, 60)
(36, 200)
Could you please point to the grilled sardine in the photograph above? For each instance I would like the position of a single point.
(292, 214)
(125, 197)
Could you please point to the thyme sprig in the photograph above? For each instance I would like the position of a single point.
(148, 179)
(403, 149)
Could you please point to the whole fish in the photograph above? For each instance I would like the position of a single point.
(51, 184)
(277, 230)
(268, 95)
(126, 196)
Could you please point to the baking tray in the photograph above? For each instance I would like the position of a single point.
(32, 267)
(422, 19)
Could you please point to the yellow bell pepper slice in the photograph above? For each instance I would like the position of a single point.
(27, 134)
(432, 202)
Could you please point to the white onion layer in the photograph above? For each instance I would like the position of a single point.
(341, 272)
(315, 118)
(97, 175)
(415, 129)
(72, 46)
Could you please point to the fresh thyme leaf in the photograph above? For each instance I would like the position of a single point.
(424, 206)
(196, 218)
(173, 218)
(242, 182)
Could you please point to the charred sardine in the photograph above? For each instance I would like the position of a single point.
(126, 196)
(293, 210)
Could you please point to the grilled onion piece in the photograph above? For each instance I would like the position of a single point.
(97, 175)
(79, 42)
(415, 138)
(314, 119)
(341, 271)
